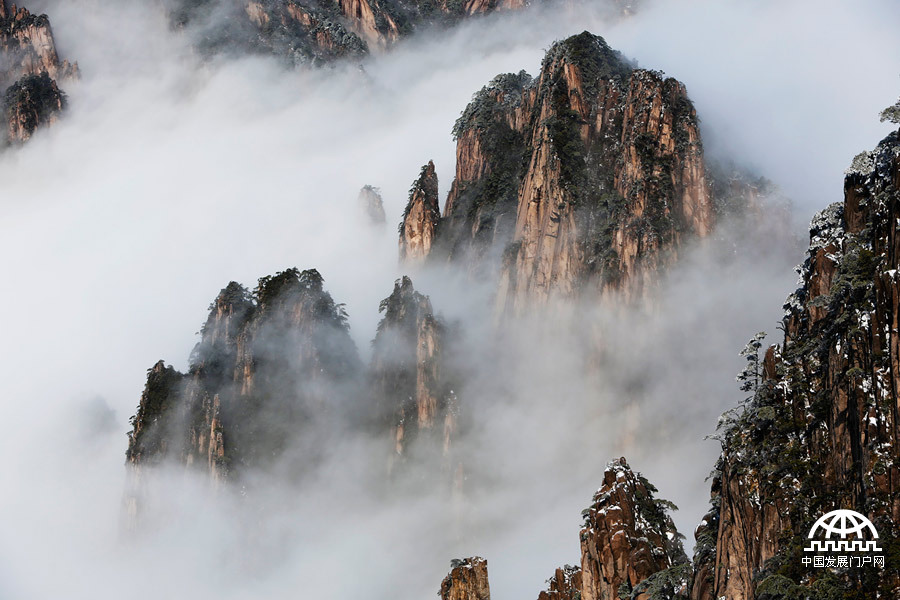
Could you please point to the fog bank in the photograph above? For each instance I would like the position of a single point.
(170, 176)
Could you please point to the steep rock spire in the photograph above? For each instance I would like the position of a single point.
(467, 580)
(584, 180)
(630, 550)
(29, 70)
(627, 538)
(421, 217)
(371, 205)
(410, 376)
(268, 365)
(564, 585)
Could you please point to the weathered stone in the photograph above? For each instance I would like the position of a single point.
(468, 580)
(29, 68)
(585, 180)
(627, 536)
(421, 217)
(821, 431)
(409, 375)
(267, 364)
(371, 205)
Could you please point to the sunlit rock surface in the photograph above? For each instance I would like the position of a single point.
(467, 580)
(29, 69)
(584, 180)
(421, 218)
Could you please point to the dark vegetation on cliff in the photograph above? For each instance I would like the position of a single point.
(586, 176)
(276, 374)
(601, 163)
(271, 367)
(15, 24)
(29, 68)
(820, 429)
(319, 31)
(30, 102)
(300, 33)
(489, 203)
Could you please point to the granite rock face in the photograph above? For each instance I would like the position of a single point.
(818, 432)
(467, 580)
(821, 429)
(421, 218)
(32, 101)
(564, 585)
(630, 550)
(584, 180)
(29, 70)
(316, 33)
(271, 371)
(28, 47)
(410, 377)
(628, 536)
(276, 378)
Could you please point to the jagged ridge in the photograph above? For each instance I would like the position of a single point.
(586, 178)
(821, 430)
(268, 364)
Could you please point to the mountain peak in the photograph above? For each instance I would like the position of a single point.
(421, 218)
(591, 54)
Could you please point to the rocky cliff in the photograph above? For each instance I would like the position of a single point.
(467, 580)
(421, 218)
(371, 205)
(29, 70)
(410, 377)
(275, 372)
(630, 550)
(585, 179)
(269, 374)
(26, 41)
(319, 32)
(628, 536)
(298, 32)
(564, 585)
(821, 429)
(30, 102)
(818, 432)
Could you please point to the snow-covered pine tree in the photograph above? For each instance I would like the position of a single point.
(750, 375)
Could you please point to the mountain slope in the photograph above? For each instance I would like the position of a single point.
(29, 69)
(410, 378)
(271, 370)
(585, 179)
(822, 430)
(322, 31)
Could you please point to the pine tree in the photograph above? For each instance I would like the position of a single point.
(751, 374)
(891, 113)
